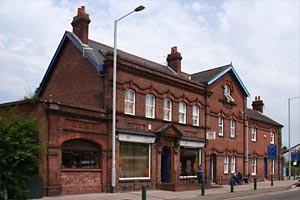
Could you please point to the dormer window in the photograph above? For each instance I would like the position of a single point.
(227, 93)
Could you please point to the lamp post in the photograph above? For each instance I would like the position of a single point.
(289, 127)
(113, 169)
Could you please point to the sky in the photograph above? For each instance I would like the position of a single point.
(260, 37)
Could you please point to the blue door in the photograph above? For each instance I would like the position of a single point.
(266, 168)
(165, 160)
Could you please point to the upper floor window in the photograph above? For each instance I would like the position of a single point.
(195, 116)
(182, 113)
(220, 124)
(272, 137)
(130, 102)
(232, 128)
(253, 134)
(227, 93)
(253, 165)
(167, 109)
(232, 162)
(150, 106)
(226, 170)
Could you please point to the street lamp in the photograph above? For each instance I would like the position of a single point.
(289, 125)
(113, 169)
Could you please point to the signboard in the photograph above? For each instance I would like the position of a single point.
(294, 155)
(272, 151)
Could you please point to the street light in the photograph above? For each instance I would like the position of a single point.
(289, 108)
(113, 169)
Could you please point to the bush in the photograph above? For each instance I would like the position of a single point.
(19, 153)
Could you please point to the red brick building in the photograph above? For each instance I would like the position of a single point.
(168, 122)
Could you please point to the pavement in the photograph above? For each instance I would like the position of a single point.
(223, 192)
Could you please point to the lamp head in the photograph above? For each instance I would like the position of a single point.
(140, 8)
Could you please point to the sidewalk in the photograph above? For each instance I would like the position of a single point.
(217, 193)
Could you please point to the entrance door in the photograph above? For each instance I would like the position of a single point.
(165, 165)
(212, 170)
(266, 168)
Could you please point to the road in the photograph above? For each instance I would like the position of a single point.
(287, 195)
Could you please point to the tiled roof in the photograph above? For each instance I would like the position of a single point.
(208, 77)
(256, 115)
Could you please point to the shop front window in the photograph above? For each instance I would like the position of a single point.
(134, 160)
(189, 161)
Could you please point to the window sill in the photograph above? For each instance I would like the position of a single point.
(81, 170)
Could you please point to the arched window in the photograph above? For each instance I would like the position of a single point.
(227, 93)
(167, 109)
(129, 102)
(80, 153)
(150, 106)
(182, 113)
(195, 116)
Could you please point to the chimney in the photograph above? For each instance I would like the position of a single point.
(80, 25)
(258, 104)
(174, 60)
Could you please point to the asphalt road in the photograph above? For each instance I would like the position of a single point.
(286, 195)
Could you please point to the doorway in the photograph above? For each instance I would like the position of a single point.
(165, 165)
(266, 168)
(212, 168)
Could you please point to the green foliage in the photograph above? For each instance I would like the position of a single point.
(19, 153)
(30, 97)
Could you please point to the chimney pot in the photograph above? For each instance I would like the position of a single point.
(174, 60)
(80, 25)
(258, 104)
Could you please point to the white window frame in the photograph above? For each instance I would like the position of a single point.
(253, 134)
(182, 113)
(232, 128)
(226, 164)
(232, 164)
(195, 116)
(150, 106)
(254, 166)
(167, 110)
(272, 137)
(129, 102)
(221, 126)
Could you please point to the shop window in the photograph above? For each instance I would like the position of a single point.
(189, 161)
(80, 154)
(134, 160)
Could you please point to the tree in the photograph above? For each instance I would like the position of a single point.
(19, 153)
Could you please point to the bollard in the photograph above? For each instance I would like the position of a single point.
(144, 187)
(271, 179)
(203, 188)
(255, 183)
(232, 185)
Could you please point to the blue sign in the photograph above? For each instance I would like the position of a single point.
(272, 151)
(294, 155)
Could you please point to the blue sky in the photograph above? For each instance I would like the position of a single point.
(261, 38)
